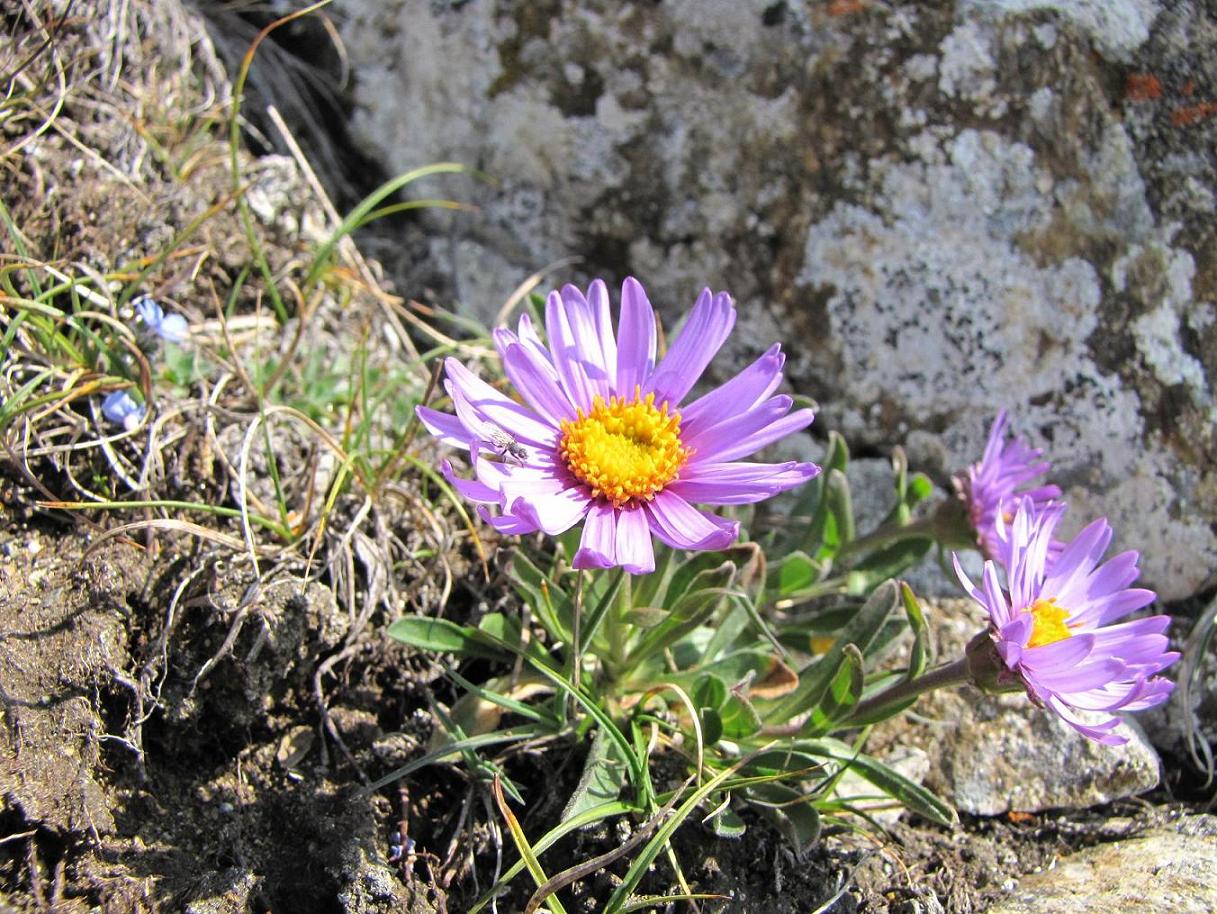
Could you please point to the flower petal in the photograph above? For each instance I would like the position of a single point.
(493, 409)
(538, 383)
(682, 526)
(635, 337)
(473, 490)
(740, 483)
(444, 426)
(634, 551)
(747, 433)
(598, 545)
(558, 512)
(561, 320)
(741, 393)
(602, 318)
(701, 337)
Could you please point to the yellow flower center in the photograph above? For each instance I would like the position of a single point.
(624, 450)
(1049, 625)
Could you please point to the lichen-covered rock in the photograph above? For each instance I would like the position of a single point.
(1171, 868)
(941, 210)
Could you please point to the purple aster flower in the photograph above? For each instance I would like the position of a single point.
(1056, 625)
(121, 408)
(172, 328)
(604, 435)
(1001, 478)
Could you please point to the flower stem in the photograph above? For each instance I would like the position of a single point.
(900, 695)
(616, 632)
(577, 654)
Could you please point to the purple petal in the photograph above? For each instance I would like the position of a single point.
(598, 545)
(1059, 655)
(493, 409)
(748, 432)
(705, 331)
(741, 393)
(538, 383)
(173, 328)
(585, 325)
(682, 526)
(444, 426)
(635, 338)
(740, 483)
(558, 512)
(966, 583)
(1155, 691)
(471, 489)
(1100, 732)
(598, 300)
(568, 359)
(995, 601)
(1089, 675)
(634, 551)
(511, 525)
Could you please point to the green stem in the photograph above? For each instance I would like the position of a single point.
(898, 696)
(617, 629)
(892, 533)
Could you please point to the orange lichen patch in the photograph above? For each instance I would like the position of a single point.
(845, 7)
(1193, 114)
(1189, 89)
(1142, 87)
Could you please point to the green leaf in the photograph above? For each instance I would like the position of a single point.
(441, 635)
(709, 691)
(506, 630)
(784, 761)
(843, 693)
(695, 605)
(796, 571)
(645, 616)
(889, 562)
(915, 797)
(919, 656)
(815, 680)
(686, 572)
(711, 725)
(551, 605)
(726, 823)
(740, 719)
(920, 488)
(605, 773)
(790, 810)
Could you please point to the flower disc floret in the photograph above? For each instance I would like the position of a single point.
(624, 450)
(1048, 623)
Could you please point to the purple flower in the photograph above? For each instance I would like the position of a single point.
(172, 328)
(602, 434)
(1001, 476)
(121, 408)
(1056, 625)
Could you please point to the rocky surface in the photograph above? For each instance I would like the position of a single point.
(942, 209)
(1164, 869)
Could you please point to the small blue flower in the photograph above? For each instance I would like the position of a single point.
(172, 328)
(121, 408)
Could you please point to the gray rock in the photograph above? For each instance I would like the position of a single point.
(1013, 756)
(1167, 869)
(942, 210)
